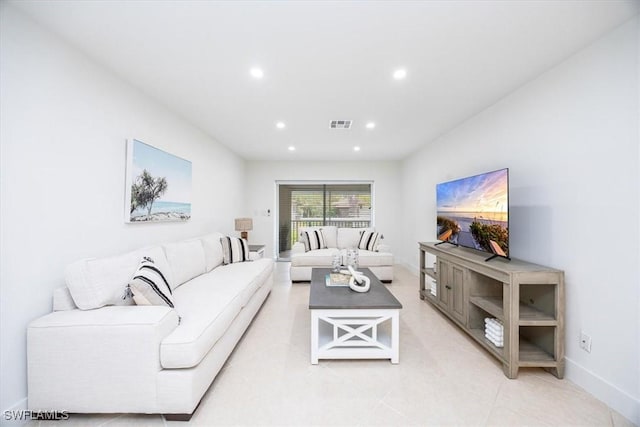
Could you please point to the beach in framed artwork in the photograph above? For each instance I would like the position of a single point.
(158, 185)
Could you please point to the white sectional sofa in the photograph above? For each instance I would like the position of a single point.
(143, 359)
(338, 240)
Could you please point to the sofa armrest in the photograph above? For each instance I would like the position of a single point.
(297, 248)
(97, 359)
(383, 248)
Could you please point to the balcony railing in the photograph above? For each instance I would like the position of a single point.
(296, 225)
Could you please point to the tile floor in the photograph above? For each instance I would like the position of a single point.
(443, 378)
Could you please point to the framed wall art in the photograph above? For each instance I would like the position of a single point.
(158, 185)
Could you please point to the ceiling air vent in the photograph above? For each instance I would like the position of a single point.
(340, 124)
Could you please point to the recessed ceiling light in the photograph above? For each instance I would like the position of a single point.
(280, 125)
(371, 125)
(356, 148)
(257, 73)
(400, 74)
(292, 148)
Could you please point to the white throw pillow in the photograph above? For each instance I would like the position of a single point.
(234, 249)
(186, 259)
(369, 240)
(313, 240)
(330, 233)
(96, 282)
(149, 285)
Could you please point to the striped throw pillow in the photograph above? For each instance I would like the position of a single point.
(149, 285)
(369, 240)
(313, 239)
(234, 249)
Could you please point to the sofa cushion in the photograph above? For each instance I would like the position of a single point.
(369, 240)
(350, 237)
(317, 258)
(97, 282)
(234, 249)
(255, 273)
(313, 239)
(212, 250)
(186, 259)
(208, 305)
(329, 232)
(374, 259)
(149, 285)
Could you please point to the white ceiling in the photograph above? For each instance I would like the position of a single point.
(329, 60)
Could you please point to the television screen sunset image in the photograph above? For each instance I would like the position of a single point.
(474, 212)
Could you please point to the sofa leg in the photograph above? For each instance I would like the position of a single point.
(386, 281)
(182, 417)
(178, 417)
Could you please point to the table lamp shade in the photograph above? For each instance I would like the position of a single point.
(243, 225)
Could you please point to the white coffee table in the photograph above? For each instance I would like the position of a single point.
(352, 325)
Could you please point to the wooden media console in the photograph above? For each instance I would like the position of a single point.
(527, 298)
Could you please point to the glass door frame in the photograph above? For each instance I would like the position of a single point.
(276, 217)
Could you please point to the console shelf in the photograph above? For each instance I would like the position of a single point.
(430, 272)
(478, 335)
(492, 305)
(527, 298)
(529, 316)
(531, 355)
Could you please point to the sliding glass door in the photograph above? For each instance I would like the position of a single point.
(316, 204)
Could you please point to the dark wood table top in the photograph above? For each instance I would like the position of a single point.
(323, 297)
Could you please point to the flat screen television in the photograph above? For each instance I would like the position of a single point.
(474, 212)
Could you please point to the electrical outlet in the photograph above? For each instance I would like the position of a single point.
(585, 342)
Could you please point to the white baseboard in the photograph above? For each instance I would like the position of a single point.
(403, 263)
(619, 400)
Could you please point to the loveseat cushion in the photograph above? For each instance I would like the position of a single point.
(317, 258)
(350, 237)
(186, 259)
(328, 231)
(313, 239)
(208, 304)
(96, 282)
(374, 259)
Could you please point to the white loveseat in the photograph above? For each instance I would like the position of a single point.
(338, 240)
(143, 359)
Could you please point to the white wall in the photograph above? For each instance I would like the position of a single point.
(261, 192)
(570, 139)
(63, 128)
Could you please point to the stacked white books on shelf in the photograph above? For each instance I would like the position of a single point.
(433, 287)
(494, 331)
